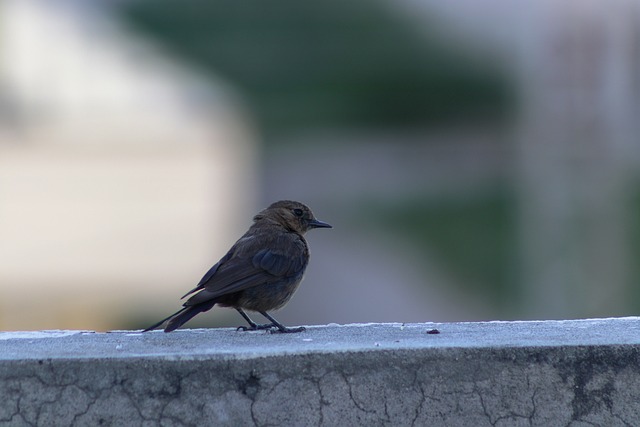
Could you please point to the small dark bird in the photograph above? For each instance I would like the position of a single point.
(260, 272)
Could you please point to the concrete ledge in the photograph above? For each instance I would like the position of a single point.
(584, 372)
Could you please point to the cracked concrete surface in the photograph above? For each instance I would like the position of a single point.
(565, 373)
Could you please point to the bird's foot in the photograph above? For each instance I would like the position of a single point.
(256, 327)
(288, 330)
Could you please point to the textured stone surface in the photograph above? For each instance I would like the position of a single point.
(583, 372)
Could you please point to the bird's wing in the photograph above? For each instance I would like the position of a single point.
(208, 275)
(253, 263)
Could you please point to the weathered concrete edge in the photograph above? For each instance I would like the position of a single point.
(377, 375)
(228, 343)
(470, 386)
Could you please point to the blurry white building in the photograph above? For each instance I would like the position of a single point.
(122, 174)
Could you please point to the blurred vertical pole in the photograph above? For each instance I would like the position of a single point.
(580, 77)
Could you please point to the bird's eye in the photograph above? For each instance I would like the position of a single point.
(298, 212)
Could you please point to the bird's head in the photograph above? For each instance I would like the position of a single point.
(294, 216)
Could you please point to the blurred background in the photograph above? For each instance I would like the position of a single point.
(478, 160)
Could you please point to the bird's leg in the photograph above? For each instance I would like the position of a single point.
(253, 326)
(281, 328)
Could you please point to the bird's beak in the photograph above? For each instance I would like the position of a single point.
(314, 223)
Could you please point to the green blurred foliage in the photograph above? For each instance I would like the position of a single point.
(326, 64)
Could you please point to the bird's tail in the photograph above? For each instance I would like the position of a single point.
(182, 316)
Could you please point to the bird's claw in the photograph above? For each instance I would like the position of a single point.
(255, 327)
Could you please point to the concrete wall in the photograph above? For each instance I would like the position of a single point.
(480, 374)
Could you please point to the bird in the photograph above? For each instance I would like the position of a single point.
(260, 272)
